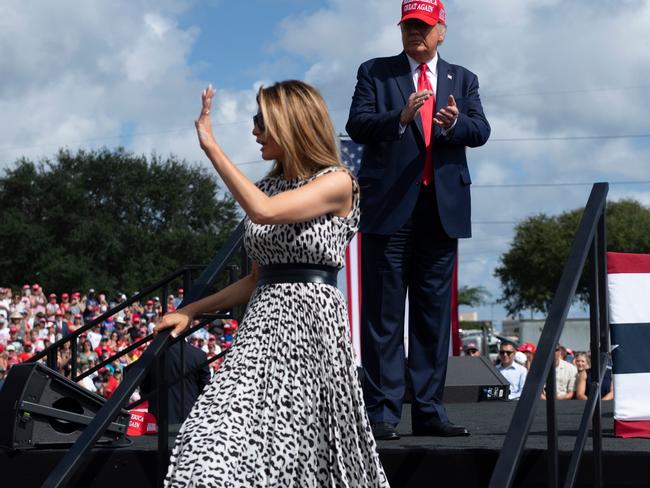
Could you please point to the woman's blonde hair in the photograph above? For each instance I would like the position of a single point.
(296, 116)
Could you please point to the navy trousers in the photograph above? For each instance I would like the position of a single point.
(419, 258)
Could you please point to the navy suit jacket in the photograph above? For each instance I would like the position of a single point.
(392, 164)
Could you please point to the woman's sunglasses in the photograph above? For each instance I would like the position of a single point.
(258, 120)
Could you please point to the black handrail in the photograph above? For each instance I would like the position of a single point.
(590, 240)
(72, 460)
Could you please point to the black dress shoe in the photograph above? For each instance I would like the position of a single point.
(440, 429)
(384, 432)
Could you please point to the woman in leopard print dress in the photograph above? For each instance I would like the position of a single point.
(285, 408)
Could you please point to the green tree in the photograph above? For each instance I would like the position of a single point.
(107, 219)
(530, 270)
(472, 296)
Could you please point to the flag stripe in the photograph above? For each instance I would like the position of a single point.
(632, 396)
(628, 298)
(630, 354)
(624, 428)
(618, 262)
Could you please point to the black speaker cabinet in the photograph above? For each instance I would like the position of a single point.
(39, 407)
(474, 379)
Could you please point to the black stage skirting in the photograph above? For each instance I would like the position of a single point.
(409, 462)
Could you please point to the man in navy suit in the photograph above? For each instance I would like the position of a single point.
(416, 114)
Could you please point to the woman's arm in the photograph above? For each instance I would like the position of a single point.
(581, 385)
(238, 293)
(331, 193)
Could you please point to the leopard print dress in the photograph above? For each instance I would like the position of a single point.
(285, 408)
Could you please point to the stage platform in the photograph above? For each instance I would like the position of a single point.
(411, 462)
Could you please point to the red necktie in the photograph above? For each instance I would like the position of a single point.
(426, 114)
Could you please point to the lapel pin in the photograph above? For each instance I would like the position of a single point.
(450, 77)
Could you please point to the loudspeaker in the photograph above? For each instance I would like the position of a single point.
(39, 407)
(474, 379)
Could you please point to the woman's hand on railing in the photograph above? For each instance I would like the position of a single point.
(178, 321)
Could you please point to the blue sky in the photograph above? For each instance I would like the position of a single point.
(558, 80)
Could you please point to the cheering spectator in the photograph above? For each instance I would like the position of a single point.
(470, 348)
(86, 355)
(528, 348)
(52, 306)
(566, 375)
(27, 352)
(511, 371)
(585, 378)
(4, 330)
(179, 297)
(38, 300)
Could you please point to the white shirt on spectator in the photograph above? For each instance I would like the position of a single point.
(565, 378)
(516, 376)
(95, 338)
(4, 335)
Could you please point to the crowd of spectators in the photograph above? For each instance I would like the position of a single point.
(572, 370)
(31, 320)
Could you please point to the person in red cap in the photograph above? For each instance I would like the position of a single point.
(52, 306)
(38, 299)
(415, 114)
(528, 348)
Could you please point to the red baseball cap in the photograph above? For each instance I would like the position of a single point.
(64, 295)
(430, 12)
(527, 347)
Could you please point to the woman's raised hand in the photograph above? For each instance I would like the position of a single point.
(179, 321)
(203, 124)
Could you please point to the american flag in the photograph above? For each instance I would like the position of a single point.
(351, 154)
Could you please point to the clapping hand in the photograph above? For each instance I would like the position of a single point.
(413, 106)
(203, 124)
(446, 117)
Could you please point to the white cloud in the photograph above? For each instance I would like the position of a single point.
(89, 74)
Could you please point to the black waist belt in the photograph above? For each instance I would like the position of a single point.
(296, 273)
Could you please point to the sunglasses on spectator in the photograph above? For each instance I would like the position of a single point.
(472, 351)
(258, 120)
(507, 353)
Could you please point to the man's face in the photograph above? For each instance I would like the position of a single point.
(506, 354)
(420, 40)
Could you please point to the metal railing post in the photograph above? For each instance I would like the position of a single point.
(163, 417)
(165, 294)
(73, 358)
(551, 428)
(542, 368)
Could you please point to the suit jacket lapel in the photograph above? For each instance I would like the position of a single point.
(402, 74)
(443, 89)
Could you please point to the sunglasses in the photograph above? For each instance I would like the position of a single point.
(507, 353)
(258, 120)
